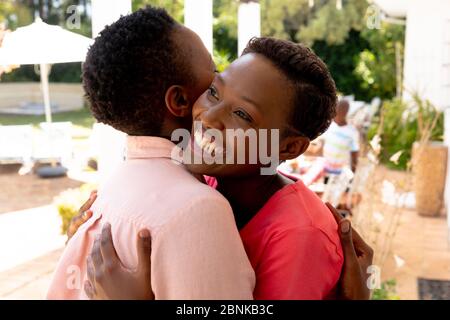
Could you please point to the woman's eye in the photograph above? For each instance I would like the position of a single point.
(243, 115)
(213, 93)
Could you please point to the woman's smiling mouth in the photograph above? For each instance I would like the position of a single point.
(207, 144)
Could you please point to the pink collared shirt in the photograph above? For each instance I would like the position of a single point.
(197, 252)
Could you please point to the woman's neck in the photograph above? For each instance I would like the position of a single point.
(249, 194)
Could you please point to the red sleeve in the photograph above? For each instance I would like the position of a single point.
(298, 264)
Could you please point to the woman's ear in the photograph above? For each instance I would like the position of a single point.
(177, 101)
(292, 147)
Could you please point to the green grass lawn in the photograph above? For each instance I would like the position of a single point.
(81, 118)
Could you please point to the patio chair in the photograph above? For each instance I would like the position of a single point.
(53, 143)
(373, 108)
(16, 144)
(359, 182)
(358, 119)
(336, 186)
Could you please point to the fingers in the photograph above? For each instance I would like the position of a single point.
(337, 216)
(96, 253)
(345, 234)
(361, 246)
(90, 269)
(144, 251)
(80, 219)
(109, 254)
(84, 214)
(89, 289)
(77, 221)
(87, 205)
(89, 285)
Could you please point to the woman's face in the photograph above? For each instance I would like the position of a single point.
(252, 94)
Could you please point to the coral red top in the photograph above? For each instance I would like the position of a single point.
(293, 246)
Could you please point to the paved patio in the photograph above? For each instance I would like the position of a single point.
(29, 280)
(422, 243)
(28, 191)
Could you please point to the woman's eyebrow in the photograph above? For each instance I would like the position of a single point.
(249, 100)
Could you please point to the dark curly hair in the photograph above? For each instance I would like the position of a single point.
(129, 68)
(314, 104)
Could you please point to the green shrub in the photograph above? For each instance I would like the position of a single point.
(69, 202)
(387, 291)
(398, 126)
(222, 60)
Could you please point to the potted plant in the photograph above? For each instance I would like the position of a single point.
(429, 159)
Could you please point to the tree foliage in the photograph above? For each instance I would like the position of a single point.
(376, 65)
(361, 60)
(174, 7)
(297, 21)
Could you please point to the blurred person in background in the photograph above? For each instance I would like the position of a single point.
(339, 145)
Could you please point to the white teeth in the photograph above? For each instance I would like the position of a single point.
(198, 138)
(205, 144)
(211, 148)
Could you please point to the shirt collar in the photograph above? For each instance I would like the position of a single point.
(140, 147)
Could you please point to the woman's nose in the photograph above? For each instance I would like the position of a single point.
(213, 118)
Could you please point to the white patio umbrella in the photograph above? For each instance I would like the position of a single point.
(43, 44)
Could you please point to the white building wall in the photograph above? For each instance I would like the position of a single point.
(105, 12)
(198, 16)
(427, 61)
(249, 23)
(427, 51)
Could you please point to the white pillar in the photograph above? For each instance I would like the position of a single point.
(249, 22)
(109, 144)
(198, 16)
(427, 61)
(105, 12)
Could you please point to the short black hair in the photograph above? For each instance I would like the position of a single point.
(315, 95)
(129, 68)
